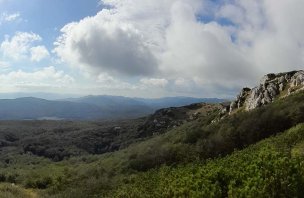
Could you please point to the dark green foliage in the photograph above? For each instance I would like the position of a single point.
(203, 139)
(243, 129)
(40, 182)
(167, 154)
(58, 140)
(11, 178)
(201, 158)
(263, 170)
(2, 177)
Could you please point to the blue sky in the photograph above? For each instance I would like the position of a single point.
(42, 17)
(147, 48)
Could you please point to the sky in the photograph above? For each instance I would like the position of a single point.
(147, 48)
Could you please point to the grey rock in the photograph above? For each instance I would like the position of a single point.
(271, 85)
(297, 79)
(267, 78)
(241, 99)
(233, 106)
(281, 87)
(281, 80)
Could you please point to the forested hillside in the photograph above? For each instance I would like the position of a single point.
(214, 155)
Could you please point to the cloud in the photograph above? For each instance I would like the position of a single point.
(45, 78)
(18, 46)
(105, 44)
(154, 82)
(270, 32)
(5, 17)
(106, 81)
(194, 45)
(38, 53)
(202, 50)
(22, 46)
(140, 38)
(4, 64)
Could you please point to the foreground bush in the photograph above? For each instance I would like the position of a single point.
(263, 170)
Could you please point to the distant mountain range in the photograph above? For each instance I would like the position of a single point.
(89, 107)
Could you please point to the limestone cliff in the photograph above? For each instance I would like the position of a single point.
(271, 86)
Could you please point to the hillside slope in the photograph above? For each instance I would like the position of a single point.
(212, 154)
(270, 168)
(196, 141)
(57, 140)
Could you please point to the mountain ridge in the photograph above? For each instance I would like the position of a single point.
(85, 108)
(210, 150)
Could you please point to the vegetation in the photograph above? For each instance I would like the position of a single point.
(202, 139)
(242, 155)
(13, 191)
(58, 140)
(266, 169)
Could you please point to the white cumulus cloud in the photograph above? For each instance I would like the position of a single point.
(38, 53)
(39, 80)
(104, 43)
(213, 47)
(22, 46)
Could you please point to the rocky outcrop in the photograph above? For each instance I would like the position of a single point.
(165, 119)
(240, 100)
(271, 86)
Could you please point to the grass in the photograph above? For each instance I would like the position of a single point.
(13, 191)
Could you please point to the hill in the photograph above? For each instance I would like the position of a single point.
(160, 103)
(35, 108)
(85, 108)
(270, 168)
(199, 150)
(119, 105)
(58, 140)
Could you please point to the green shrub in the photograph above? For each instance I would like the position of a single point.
(40, 183)
(263, 170)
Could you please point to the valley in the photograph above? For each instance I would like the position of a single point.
(199, 150)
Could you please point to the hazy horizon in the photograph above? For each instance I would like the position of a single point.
(60, 96)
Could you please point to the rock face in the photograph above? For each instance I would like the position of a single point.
(271, 86)
(168, 118)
